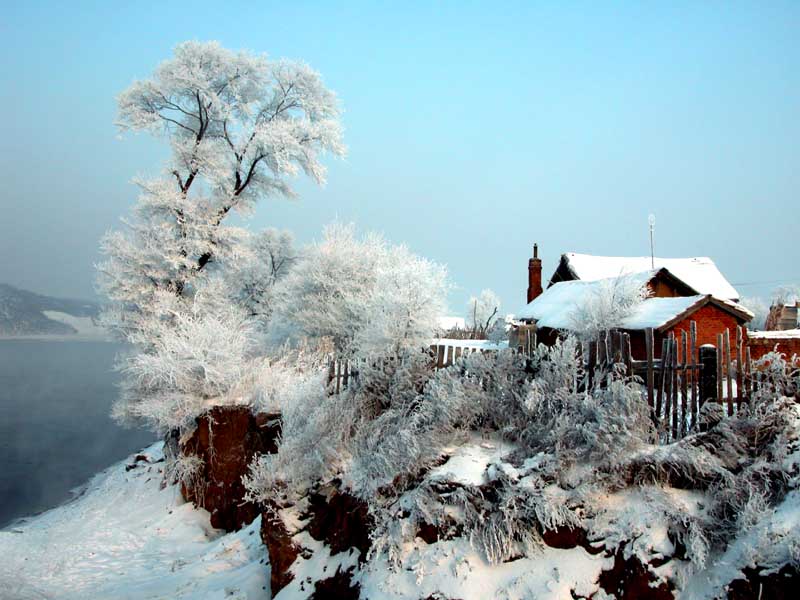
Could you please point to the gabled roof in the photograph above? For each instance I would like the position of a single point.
(554, 307)
(699, 273)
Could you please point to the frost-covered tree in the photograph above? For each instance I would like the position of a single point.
(265, 258)
(366, 296)
(240, 127)
(760, 310)
(482, 313)
(609, 302)
(196, 357)
(785, 294)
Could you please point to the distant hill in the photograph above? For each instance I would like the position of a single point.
(26, 314)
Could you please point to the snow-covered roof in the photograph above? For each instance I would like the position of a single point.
(784, 334)
(699, 272)
(555, 306)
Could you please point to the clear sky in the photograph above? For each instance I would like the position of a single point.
(474, 129)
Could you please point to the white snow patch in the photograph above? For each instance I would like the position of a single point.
(455, 570)
(467, 465)
(126, 537)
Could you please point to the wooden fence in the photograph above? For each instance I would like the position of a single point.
(677, 385)
(685, 377)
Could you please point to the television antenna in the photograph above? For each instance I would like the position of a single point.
(652, 222)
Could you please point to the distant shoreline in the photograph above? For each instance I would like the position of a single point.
(55, 338)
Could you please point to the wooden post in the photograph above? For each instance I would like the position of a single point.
(739, 367)
(440, 356)
(673, 383)
(748, 379)
(331, 370)
(695, 372)
(727, 367)
(666, 374)
(662, 388)
(602, 354)
(684, 372)
(720, 355)
(648, 338)
(708, 374)
(628, 357)
(449, 360)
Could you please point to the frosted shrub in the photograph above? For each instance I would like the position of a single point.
(409, 435)
(278, 383)
(186, 470)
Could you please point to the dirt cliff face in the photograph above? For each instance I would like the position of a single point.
(226, 440)
(281, 549)
(331, 516)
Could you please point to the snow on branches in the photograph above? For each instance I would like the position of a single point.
(366, 296)
(189, 291)
(240, 127)
(609, 302)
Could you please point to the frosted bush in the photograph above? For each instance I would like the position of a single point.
(368, 297)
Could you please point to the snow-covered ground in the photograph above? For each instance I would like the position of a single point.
(125, 537)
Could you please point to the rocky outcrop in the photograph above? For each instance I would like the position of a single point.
(628, 578)
(759, 586)
(226, 440)
(338, 587)
(280, 547)
(339, 520)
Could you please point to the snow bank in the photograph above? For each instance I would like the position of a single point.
(126, 537)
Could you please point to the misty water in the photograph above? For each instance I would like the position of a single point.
(55, 428)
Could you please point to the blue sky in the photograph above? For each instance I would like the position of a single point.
(474, 130)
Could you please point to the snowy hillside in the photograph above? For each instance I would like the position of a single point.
(127, 536)
(26, 314)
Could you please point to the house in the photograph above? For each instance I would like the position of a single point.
(682, 291)
(786, 341)
(783, 316)
(782, 332)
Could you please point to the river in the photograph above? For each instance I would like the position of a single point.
(55, 428)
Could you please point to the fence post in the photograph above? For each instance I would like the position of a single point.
(708, 373)
(648, 338)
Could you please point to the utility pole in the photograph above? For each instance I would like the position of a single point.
(652, 221)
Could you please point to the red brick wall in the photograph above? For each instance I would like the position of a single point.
(789, 347)
(710, 320)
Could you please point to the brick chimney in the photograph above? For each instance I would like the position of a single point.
(534, 275)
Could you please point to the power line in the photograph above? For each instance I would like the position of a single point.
(774, 281)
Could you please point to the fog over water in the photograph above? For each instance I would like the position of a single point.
(55, 428)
